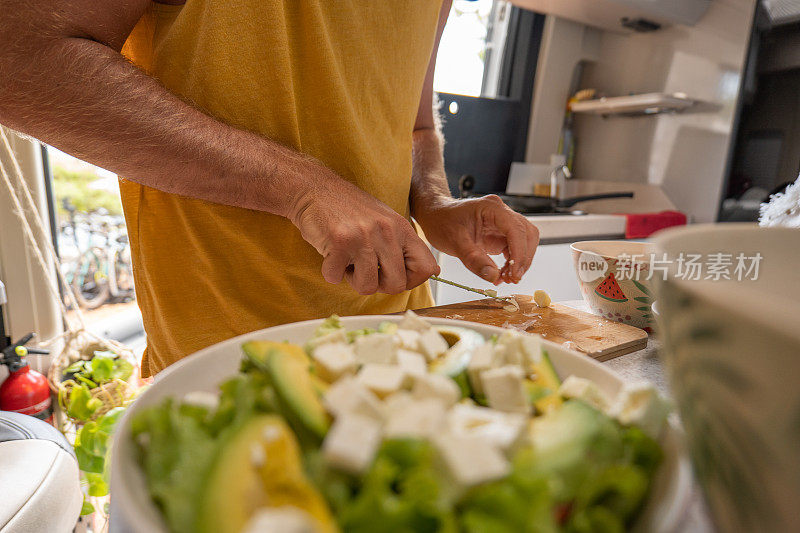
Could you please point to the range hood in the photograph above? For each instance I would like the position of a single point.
(622, 15)
(782, 11)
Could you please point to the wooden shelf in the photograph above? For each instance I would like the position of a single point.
(636, 105)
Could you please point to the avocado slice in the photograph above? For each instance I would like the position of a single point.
(258, 465)
(454, 334)
(536, 391)
(259, 351)
(563, 438)
(320, 385)
(462, 342)
(297, 391)
(544, 388)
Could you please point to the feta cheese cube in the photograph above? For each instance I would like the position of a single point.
(209, 400)
(383, 380)
(482, 359)
(375, 348)
(509, 339)
(519, 349)
(334, 359)
(349, 395)
(470, 460)
(409, 339)
(397, 402)
(509, 355)
(640, 405)
(416, 418)
(432, 344)
(505, 389)
(413, 363)
(352, 442)
(503, 430)
(412, 321)
(531, 347)
(284, 519)
(436, 386)
(339, 335)
(584, 390)
(515, 348)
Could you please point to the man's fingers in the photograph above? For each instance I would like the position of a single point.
(334, 266)
(480, 264)
(521, 238)
(517, 265)
(392, 272)
(505, 270)
(533, 243)
(419, 263)
(517, 240)
(387, 259)
(364, 275)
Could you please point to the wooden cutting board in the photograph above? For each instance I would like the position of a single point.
(595, 336)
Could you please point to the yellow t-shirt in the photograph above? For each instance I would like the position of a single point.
(339, 80)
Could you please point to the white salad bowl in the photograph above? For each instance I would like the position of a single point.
(134, 511)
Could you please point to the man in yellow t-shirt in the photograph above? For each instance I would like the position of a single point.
(274, 153)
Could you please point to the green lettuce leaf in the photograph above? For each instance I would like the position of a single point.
(402, 491)
(180, 442)
(177, 452)
(328, 326)
(522, 502)
(80, 404)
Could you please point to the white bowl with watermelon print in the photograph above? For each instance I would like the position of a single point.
(615, 280)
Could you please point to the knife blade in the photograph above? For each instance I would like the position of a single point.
(489, 293)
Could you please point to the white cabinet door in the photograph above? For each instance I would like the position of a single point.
(551, 270)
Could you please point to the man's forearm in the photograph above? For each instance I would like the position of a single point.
(429, 188)
(86, 99)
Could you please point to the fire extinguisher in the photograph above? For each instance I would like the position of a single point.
(25, 391)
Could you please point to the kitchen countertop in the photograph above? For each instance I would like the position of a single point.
(554, 229)
(636, 366)
(646, 365)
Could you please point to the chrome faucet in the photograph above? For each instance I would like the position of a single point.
(563, 169)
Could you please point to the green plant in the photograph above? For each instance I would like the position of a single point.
(76, 186)
(80, 404)
(101, 368)
(92, 448)
(83, 376)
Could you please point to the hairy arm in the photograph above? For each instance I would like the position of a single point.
(64, 81)
(428, 180)
(473, 229)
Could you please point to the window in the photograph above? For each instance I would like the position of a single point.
(484, 79)
(92, 244)
(471, 49)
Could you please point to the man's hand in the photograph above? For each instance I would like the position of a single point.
(468, 229)
(476, 228)
(362, 239)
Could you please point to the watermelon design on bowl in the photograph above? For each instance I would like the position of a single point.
(612, 295)
(609, 289)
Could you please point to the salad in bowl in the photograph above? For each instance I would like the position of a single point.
(395, 424)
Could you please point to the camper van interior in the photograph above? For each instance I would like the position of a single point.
(472, 266)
